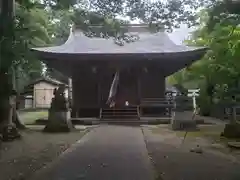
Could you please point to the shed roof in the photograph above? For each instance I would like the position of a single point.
(48, 80)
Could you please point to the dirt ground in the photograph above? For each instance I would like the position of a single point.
(173, 160)
(21, 158)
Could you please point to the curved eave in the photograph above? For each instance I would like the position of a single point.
(185, 61)
(168, 62)
(159, 56)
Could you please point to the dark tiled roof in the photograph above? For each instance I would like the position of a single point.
(78, 43)
(157, 48)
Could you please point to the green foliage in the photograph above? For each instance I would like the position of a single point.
(217, 74)
(31, 30)
(223, 12)
(47, 22)
(39, 23)
(204, 102)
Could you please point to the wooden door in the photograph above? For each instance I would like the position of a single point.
(127, 88)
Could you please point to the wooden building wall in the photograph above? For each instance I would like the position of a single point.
(43, 94)
(86, 91)
(152, 84)
(91, 90)
(128, 87)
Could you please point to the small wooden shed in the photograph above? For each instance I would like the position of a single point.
(39, 93)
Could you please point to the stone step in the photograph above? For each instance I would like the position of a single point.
(120, 116)
(119, 110)
(119, 113)
(120, 122)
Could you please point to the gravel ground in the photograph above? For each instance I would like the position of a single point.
(175, 161)
(21, 158)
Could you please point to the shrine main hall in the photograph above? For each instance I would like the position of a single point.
(130, 67)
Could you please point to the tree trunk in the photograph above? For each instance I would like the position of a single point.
(7, 96)
(4, 95)
(15, 117)
(17, 121)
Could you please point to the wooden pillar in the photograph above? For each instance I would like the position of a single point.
(70, 98)
(74, 98)
(139, 87)
(70, 89)
(139, 91)
(99, 92)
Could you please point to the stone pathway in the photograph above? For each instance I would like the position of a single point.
(108, 153)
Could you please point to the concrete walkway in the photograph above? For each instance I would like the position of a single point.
(108, 153)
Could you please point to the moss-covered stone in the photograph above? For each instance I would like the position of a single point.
(232, 131)
(10, 132)
(58, 121)
(59, 114)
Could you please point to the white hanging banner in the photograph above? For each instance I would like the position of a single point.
(113, 90)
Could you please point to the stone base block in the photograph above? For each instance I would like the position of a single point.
(59, 122)
(183, 125)
(232, 131)
(9, 132)
(183, 121)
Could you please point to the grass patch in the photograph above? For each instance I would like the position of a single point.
(162, 129)
(209, 131)
(205, 131)
(31, 117)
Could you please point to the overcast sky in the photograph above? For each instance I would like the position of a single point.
(179, 35)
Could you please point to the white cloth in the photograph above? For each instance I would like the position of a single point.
(113, 90)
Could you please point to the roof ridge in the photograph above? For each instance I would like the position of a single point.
(143, 27)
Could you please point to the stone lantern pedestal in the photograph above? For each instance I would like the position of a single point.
(8, 129)
(184, 121)
(58, 121)
(59, 114)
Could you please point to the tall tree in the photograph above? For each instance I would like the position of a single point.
(38, 23)
(218, 72)
(15, 44)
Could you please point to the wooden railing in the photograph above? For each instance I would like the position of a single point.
(157, 107)
(158, 102)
